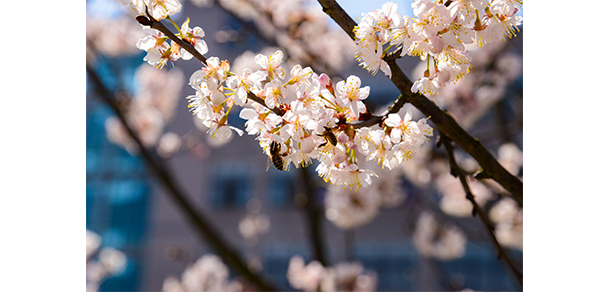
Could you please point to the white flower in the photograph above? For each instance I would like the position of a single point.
(352, 176)
(271, 64)
(159, 51)
(222, 133)
(426, 86)
(299, 74)
(259, 120)
(214, 71)
(160, 9)
(138, 5)
(504, 22)
(248, 81)
(274, 91)
(404, 36)
(304, 277)
(370, 58)
(194, 36)
(114, 261)
(350, 95)
(430, 18)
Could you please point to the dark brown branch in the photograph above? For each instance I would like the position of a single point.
(477, 210)
(199, 220)
(336, 12)
(443, 121)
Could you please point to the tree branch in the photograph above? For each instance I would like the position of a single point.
(202, 224)
(477, 210)
(313, 215)
(443, 121)
(151, 22)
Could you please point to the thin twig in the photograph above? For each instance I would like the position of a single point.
(199, 220)
(477, 210)
(443, 121)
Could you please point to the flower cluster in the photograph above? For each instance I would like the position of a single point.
(437, 34)
(208, 273)
(109, 262)
(453, 197)
(160, 51)
(300, 28)
(509, 223)
(111, 36)
(316, 124)
(348, 209)
(148, 112)
(341, 277)
(434, 240)
(494, 69)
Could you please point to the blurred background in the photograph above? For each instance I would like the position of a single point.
(419, 236)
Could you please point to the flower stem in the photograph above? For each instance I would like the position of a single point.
(175, 25)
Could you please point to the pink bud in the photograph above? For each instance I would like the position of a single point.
(326, 82)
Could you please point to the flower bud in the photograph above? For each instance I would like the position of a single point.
(326, 82)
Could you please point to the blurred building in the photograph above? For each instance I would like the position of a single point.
(129, 208)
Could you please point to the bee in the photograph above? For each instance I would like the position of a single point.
(275, 156)
(329, 136)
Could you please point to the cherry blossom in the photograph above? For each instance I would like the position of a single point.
(350, 95)
(194, 36)
(302, 114)
(436, 31)
(271, 64)
(441, 242)
(345, 276)
(208, 273)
